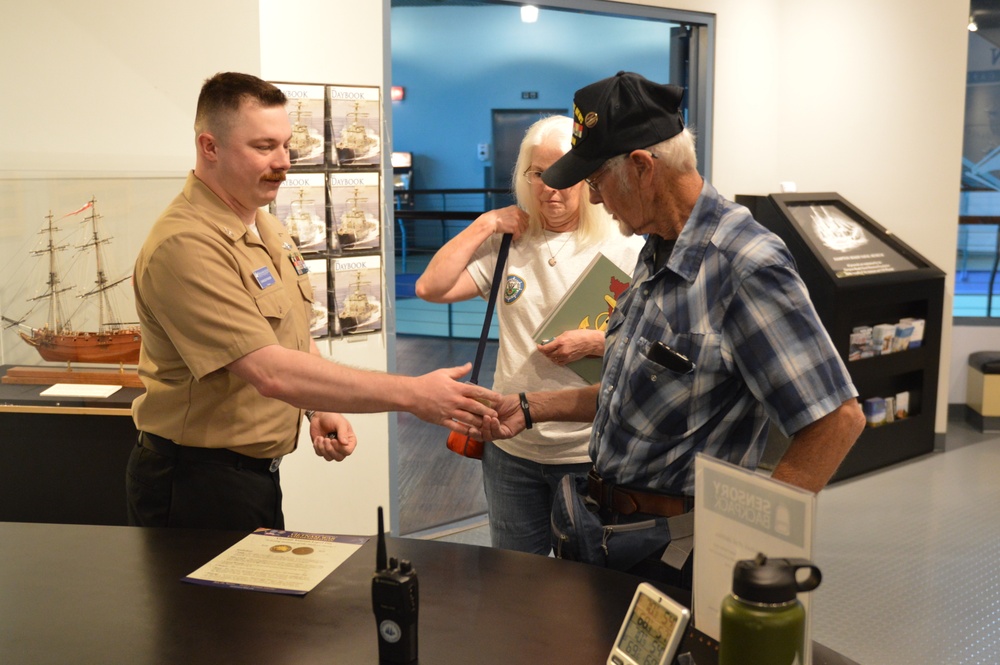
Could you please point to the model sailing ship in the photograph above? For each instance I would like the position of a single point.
(57, 340)
(356, 141)
(359, 308)
(356, 225)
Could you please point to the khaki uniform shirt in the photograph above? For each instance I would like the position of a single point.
(208, 292)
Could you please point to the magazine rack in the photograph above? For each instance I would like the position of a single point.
(860, 275)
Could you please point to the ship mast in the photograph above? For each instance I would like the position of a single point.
(359, 283)
(55, 321)
(107, 317)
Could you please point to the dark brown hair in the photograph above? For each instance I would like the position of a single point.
(222, 95)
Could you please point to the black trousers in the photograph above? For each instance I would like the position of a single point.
(178, 486)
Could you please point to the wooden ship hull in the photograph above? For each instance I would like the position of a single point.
(120, 346)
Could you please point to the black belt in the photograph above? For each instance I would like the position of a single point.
(626, 501)
(172, 450)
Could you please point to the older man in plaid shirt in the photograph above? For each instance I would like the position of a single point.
(715, 338)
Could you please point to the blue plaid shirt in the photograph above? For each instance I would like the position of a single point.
(731, 300)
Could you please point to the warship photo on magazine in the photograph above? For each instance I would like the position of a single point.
(357, 284)
(307, 113)
(301, 207)
(355, 125)
(319, 278)
(354, 210)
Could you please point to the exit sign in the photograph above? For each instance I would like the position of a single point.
(529, 95)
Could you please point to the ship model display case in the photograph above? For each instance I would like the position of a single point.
(864, 281)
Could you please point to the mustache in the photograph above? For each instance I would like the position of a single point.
(274, 177)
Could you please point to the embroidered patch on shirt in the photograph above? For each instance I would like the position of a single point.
(513, 289)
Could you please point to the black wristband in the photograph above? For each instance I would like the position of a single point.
(309, 415)
(525, 411)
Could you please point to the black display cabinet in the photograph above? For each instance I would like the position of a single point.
(64, 458)
(860, 275)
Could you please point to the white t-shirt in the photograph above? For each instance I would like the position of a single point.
(531, 290)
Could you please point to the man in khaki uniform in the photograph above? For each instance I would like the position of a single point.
(227, 360)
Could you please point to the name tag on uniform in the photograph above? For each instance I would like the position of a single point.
(298, 262)
(264, 277)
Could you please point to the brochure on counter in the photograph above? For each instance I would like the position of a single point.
(738, 514)
(80, 390)
(275, 561)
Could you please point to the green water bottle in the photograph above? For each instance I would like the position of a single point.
(763, 622)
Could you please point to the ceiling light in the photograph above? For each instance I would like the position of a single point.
(972, 22)
(529, 13)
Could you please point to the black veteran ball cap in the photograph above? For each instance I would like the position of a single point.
(614, 116)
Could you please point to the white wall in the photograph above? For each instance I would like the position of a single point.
(967, 340)
(111, 85)
(864, 98)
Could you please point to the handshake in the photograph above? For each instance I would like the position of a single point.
(515, 413)
(512, 416)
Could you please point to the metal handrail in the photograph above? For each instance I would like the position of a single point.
(969, 223)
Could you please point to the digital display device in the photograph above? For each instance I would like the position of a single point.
(652, 630)
(402, 160)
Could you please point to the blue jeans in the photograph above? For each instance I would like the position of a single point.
(519, 496)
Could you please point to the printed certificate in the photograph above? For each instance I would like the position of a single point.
(274, 561)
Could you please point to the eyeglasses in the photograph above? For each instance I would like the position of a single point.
(533, 177)
(592, 180)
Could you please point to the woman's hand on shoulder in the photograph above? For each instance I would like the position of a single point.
(508, 220)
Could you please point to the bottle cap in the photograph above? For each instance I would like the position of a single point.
(763, 580)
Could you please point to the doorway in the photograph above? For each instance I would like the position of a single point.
(509, 127)
(466, 65)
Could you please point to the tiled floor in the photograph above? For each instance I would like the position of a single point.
(910, 557)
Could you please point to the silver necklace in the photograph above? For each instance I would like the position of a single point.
(552, 257)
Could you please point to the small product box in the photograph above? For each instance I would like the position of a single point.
(882, 337)
(902, 405)
(861, 343)
(904, 332)
(874, 409)
(917, 337)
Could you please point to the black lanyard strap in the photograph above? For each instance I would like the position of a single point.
(491, 303)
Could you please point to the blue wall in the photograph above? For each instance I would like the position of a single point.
(459, 63)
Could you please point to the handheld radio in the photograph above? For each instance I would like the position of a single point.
(395, 602)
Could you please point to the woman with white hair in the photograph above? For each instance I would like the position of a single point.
(557, 232)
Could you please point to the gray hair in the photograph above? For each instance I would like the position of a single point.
(677, 152)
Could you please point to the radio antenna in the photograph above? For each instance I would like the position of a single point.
(380, 556)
